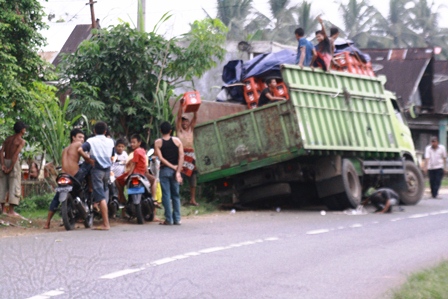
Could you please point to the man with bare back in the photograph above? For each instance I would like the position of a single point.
(184, 129)
(70, 165)
(10, 176)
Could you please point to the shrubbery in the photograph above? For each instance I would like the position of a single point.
(36, 202)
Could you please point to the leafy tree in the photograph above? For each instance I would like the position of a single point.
(116, 75)
(21, 66)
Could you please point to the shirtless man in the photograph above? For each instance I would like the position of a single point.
(10, 176)
(184, 130)
(70, 165)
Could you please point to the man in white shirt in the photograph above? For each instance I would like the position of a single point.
(435, 165)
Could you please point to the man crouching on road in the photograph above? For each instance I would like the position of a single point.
(383, 200)
(101, 150)
(10, 176)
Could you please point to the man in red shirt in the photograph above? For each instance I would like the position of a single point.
(137, 164)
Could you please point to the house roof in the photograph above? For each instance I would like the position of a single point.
(441, 86)
(78, 35)
(48, 56)
(407, 71)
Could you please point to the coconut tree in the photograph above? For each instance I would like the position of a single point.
(359, 17)
(234, 14)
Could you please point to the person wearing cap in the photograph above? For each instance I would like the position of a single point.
(435, 165)
(184, 131)
(10, 176)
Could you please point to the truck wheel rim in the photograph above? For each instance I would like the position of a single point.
(411, 181)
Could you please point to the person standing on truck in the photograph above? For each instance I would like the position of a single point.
(184, 130)
(435, 165)
(324, 52)
(334, 34)
(11, 173)
(305, 49)
(267, 95)
(171, 154)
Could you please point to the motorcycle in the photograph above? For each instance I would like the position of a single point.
(76, 204)
(112, 204)
(140, 203)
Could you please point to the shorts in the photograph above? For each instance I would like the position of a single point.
(192, 180)
(100, 181)
(11, 183)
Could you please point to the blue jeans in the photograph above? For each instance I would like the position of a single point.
(100, 183)
(170, 193)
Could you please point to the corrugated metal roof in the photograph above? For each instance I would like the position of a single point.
(79, 34)
(441, 86)
(407, 70)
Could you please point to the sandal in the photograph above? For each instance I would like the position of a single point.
(165, 223)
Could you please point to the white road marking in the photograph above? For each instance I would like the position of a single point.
(120, 273)
(162, 261)
(48, 294)
(317, 231)
(356, 225)
(415, 216)
(213, 249)
(396, 219)
(444, 212)
(272, 239)
(192, 254)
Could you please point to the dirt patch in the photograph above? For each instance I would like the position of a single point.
(11, 226)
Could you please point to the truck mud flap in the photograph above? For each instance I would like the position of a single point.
(264, 192)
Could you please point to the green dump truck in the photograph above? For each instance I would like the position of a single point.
(337, 136)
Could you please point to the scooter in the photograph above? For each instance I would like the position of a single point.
(76, 204)
(140, 203)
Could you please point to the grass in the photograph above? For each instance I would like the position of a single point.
(444, 182)
(427, 284)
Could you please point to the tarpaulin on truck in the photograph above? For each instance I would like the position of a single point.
(260, 66)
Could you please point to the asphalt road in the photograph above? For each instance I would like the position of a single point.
(258, 254)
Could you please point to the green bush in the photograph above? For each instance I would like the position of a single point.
(36, 202)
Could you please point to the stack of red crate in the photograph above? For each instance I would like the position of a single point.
(251, 92)
(345, 62)
(254, 86)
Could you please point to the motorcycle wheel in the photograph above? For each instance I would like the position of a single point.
(88, 222)
(113, 208)
(68, 213)
(148, 210)
(138, 213)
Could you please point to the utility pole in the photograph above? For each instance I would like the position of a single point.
(141, 15)
(92, 13)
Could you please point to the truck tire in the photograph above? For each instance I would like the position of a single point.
(415, 184)
(351, 197)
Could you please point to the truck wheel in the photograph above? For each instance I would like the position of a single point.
(352, 196)
(415, 184)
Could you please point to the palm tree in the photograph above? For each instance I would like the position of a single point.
(424, 21)
(234, 14)
(396, 29)
(359, 18)
(283, 19)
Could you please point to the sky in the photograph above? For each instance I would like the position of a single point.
(112, 12)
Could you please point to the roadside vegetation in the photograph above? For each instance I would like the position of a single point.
(427, 284)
